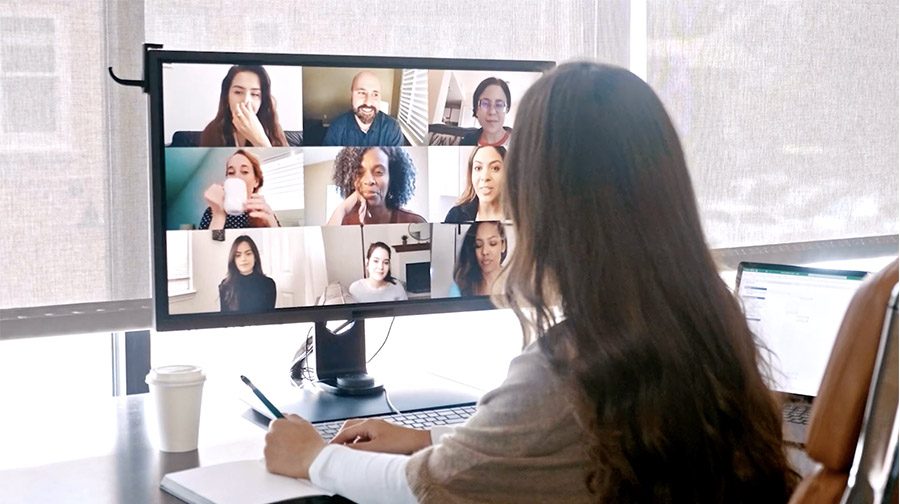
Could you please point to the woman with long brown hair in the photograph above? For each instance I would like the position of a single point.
(245, 288)
(641, 381)
(480, 260)
(246, 116)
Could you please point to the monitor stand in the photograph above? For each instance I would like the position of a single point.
(341, 360)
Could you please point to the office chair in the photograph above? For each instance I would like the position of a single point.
(856, 387)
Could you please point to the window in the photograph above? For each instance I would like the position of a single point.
(412, 115)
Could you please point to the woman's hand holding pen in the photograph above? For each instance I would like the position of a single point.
(292, 445)
(247, 125)
(381, 436)
(257, 208)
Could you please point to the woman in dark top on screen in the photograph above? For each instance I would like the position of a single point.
(375, 183)
(490, 103)
(246, 115)
(246, 289)
(483, 198)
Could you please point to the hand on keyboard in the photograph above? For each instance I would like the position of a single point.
(381, 436)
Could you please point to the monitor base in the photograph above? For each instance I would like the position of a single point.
(357, 384)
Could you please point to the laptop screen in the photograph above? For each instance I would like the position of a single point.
(796, 313)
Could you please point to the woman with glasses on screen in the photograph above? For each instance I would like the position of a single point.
(246, 115)
(490, 103)
(480, 259)
(641, 381)
(245, 289)
(375, 183)
(483, 198)
(379, 284)
(256, 212)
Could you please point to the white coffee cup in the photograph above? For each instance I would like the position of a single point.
(177, 392)
(235, 196)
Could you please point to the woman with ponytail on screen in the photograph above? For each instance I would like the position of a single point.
(379, 284)
(253, 212)
(640, 381)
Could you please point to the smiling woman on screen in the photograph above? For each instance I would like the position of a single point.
(483, 198)
(379, 284)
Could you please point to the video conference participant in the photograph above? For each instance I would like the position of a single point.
(247, 115)
(246, 289)
(364, 124)
(490, 103)
(257, 213)
(642, 381)
(375, 183)
(483, 196)
(379, 284)
(480, 259)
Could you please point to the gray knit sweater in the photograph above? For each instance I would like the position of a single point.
(523, 444)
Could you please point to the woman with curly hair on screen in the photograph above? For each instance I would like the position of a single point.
(375, 183)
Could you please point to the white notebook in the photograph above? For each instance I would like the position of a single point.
(240, 482)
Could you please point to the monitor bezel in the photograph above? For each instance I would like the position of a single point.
(165, 321)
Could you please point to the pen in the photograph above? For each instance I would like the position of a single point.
(262, 398)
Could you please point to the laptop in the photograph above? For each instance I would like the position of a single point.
(795, 312)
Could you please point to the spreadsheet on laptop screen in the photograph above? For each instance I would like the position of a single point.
(796, 313)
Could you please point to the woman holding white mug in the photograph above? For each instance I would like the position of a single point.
(229, 205)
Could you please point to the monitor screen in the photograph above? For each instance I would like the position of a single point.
(292, 188)
(796, 313)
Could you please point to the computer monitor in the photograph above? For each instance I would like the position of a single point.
(796, 313)
(311, 188)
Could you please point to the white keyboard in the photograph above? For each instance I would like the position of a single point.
(422, 419)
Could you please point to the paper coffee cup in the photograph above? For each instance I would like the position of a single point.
(177, 392)
(235, 196)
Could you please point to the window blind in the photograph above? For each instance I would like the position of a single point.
(413, 115)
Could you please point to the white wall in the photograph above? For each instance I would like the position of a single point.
(344, 253)
(191, 96)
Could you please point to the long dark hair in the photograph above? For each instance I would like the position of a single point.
(229, 290)
(220, 132)
(387, 278)
(467, 272)
(664, 372)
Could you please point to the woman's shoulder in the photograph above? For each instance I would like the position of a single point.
(401, 216)
(470, 138)
(464, 212)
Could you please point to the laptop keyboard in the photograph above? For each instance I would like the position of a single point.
(415, 419)
(797, 413)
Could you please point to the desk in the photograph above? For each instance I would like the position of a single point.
(119, 462)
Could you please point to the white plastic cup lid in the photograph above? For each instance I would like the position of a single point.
(175, 375)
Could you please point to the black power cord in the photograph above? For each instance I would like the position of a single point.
(386, 336)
